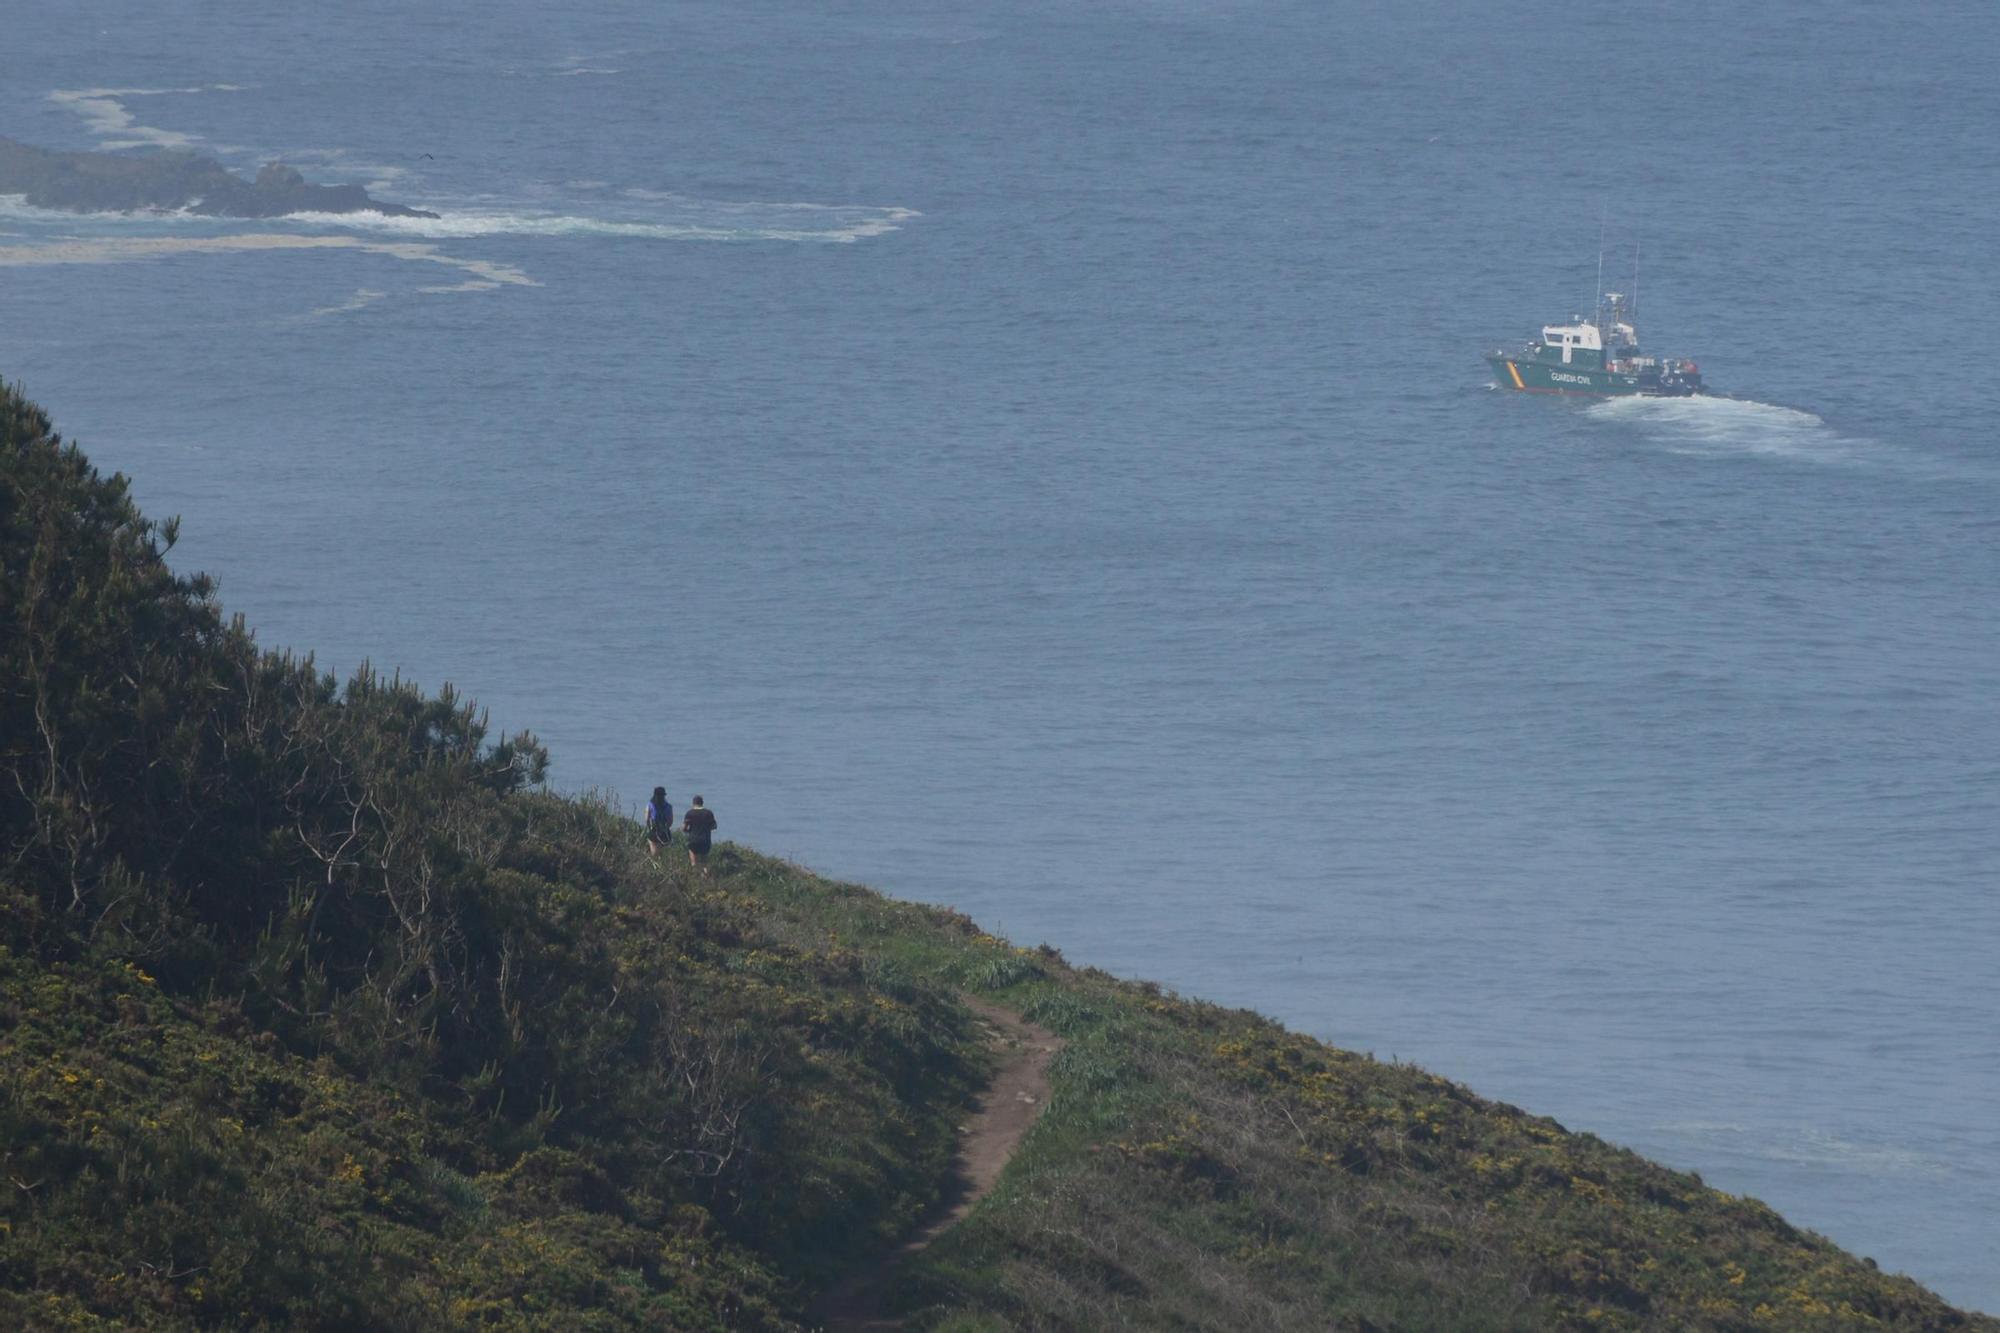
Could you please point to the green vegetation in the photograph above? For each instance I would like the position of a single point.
(317, 1011)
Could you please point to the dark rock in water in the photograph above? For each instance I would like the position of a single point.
(176, 179)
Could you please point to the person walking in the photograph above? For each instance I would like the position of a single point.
(659, 822)
(699, 824)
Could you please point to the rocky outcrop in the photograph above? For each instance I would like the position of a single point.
(131, 182)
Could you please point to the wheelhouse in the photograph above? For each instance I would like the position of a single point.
(1580, 343)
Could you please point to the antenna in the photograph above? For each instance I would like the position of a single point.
(1602, 217)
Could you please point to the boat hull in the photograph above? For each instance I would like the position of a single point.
(1531, 375)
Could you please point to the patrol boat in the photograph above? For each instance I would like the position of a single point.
(1598, 357)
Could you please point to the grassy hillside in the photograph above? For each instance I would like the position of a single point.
(317, 1011)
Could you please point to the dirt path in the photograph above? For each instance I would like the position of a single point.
(1000, 1117)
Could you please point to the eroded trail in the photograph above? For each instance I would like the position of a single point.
(1000, 1118)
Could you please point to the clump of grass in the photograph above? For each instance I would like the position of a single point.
(1083, 1071)
(1061, 1011)
(458, 1192)
(892, 977)
(1002, 972)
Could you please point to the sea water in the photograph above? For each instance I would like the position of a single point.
(1036, 458)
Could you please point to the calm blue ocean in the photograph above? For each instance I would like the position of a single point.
(1036, 457)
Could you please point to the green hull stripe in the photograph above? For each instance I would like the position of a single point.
(1538, 378)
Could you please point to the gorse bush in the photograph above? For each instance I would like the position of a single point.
(308, 984)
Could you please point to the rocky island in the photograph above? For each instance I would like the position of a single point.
(173, 180)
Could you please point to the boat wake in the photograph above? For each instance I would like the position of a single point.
(1715, 426)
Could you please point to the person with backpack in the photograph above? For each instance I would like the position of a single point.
(699, 825)
(659, 822)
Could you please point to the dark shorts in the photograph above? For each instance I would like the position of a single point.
(699, 846)
(659, 837)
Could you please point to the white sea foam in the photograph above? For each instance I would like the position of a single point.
(592, 63)
(363, 298)
(57, 238)
(1701, 1128)
(15, 208)
(673, 218)
(943, 34)
(1712, 425)
(570, 67)
(1806, 1145)
(374, 176)
(682, 220)
(482, 274)
(1816, 1147)
(659, 215)
(105, 115)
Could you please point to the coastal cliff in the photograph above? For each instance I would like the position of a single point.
(319, 1011)
(173, 180)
